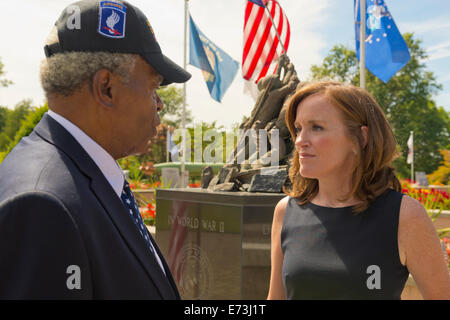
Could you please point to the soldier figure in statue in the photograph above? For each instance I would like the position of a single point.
(268, 114)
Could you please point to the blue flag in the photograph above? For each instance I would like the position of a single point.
(172, 147)
(219, 69)
(386, 50)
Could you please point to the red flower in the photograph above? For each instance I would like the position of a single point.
(156, 184)
(144, 215)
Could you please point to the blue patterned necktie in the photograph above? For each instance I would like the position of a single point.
(133, 210)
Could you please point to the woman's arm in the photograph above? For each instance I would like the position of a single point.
(421, 251)
(276, 289)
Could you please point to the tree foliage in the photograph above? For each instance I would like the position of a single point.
(407, 100)
(172, 113)
(10, 122)
(4, 112)
(3, 82)
(24, 128)
(442, 174)
(212, 140)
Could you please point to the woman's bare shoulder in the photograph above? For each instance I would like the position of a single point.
(414, 226)
(412, 211)
(282, 204)
(280, 209)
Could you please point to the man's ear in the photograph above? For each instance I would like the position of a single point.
(365, 133)
(102, 82)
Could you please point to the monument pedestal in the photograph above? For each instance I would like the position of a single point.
(217, 244)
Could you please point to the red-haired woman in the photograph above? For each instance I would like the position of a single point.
(345, 230)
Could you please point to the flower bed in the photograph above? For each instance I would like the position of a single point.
(136, 185)
(149, 214)
(431, 198)
(144, 194)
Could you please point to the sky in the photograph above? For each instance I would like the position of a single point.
(316, 26)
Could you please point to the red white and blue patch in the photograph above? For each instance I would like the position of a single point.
(111, 19)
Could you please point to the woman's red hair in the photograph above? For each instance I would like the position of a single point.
(372, 174)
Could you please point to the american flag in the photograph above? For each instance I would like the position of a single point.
(260, 38)
(178, 237)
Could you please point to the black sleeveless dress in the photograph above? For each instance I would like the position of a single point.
(331, 253)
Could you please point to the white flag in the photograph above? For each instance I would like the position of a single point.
(251, 89)
(411, 149)
(172, 147)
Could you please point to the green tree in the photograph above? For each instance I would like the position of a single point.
(407, 100)
(4, 113)
(13, 122)
(3, 82)
(442, 174)
(26, 127)
(217, 138)
(213, 143)
(172, 113)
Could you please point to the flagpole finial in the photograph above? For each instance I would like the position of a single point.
(276, 31)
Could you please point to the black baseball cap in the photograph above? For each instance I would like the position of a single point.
(113, 26)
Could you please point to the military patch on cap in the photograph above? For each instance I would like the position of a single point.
(111, 19)
(150, 27)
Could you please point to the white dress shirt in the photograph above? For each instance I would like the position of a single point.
(104, 161)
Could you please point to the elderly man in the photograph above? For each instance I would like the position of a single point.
(69, 226)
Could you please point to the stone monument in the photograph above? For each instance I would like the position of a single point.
(217, 244)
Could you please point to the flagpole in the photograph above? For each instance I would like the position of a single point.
(167, 143)
(276, 31)
(362, 44)
(269, 86)
(412, 160)
(183, 121)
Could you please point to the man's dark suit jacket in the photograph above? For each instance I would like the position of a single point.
(58, 210)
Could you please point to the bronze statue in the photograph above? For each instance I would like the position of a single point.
(273, 91)
(268, 114)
